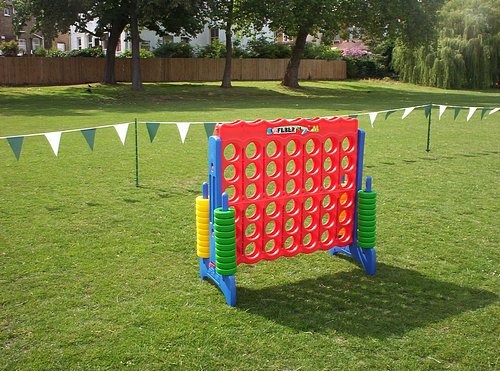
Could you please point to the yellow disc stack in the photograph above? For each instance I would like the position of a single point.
(202, 227)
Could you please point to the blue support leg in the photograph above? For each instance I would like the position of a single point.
(227, 284)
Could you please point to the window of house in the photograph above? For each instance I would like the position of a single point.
(79, 43)
(61, 46)
(146, 45)
(35, 43)
(6, 12)
(214, 34)
(22, 44)
(97, 42)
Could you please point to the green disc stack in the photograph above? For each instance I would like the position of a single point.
(225, 241)
(366, 219)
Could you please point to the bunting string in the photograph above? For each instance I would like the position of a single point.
(54, 138)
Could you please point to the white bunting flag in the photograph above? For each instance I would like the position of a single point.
(441, 110)
(471, 112)
(494, 110)
(407, 111)
(183, 128)
(373, 116)
(54, 140)
(122, 129)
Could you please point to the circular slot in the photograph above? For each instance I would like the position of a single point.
(251, 191)
(271, 169)
(230, 152)
(251, 150)
(271, 149)
(251, 171)
(230, 173)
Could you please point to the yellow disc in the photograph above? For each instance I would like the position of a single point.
(203, 254)
(203, 243)
(202, 204)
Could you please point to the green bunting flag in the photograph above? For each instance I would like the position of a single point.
(209, 128)
(89, 135)
(16, 144)
(353, 116)
(390, 112)
(428, 110)
(457, 111)
(483, 112)
(152, 129)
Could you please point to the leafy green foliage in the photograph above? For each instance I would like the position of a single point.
(464, 55)
(87, 52)
(9, 48)
(326, 52)
(215, 49)
(263, 48)
(144, 53)
(174, 50)
(56, 53)
(40, 52)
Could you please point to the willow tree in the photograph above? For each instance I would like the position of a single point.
(465, 53)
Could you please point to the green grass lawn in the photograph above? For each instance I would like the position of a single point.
(96, 274)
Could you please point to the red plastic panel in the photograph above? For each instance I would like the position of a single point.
(292, 184)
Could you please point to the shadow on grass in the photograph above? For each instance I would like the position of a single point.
(391, 303)
(171, 97)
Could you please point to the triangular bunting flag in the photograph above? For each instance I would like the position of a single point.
(441, 110)
(16, 143)
(483, 112)
(494, 110)
(353, 116)
(407, 111)
(428, 110)
(89, 135)
(471, 112)
(209, 128)
(457, 111)
(183, 128)
(390, 112)
(121, 130)
(152, 129)
(54, 140)
(373, 116)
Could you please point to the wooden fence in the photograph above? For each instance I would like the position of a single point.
(78, 70)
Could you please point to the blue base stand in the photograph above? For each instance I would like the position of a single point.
(227, 284)
(366, 257)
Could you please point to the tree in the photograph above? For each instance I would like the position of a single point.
(377, 19)
(230, 14)
(465, 53)
(50, 16)
(113, 16)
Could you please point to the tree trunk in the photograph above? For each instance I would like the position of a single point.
(291, 78)
(117, 28)
(226, 78)
(136, 58)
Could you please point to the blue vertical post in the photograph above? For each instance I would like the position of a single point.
(226, 284)
(365, 257)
